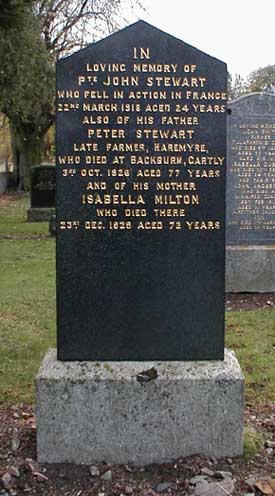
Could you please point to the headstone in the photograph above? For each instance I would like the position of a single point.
(4, 178)
(251, 170)
(43, 186)
(42, 193)
(250, 194)
(140, 373)
(141, 147)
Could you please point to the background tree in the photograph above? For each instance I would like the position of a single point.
(11, 12)
(262, 79)
(49, 29)
(67, 26)
(237, 86)
(27, 89)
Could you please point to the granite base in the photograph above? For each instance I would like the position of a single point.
(250, 269)
(93, 411)
(40, 214)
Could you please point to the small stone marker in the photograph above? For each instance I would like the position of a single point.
(251, 170)
(43, 186)
(141, 148)
(42, 193)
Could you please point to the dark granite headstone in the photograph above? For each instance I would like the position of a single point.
(251, 170)
(141, 142)
(43, 186)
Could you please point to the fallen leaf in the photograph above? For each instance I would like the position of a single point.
(147, 375)
(266, 486)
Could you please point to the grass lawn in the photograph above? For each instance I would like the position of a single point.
(251, 334)
(27, 299)
(13, 216)
(27, 314)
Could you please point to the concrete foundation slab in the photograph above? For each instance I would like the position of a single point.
(250, 269)
(90, 411)
(40, 214)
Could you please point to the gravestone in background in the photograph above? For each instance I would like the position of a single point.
(4, 182)
(141, 145)
(251, 193)
(43, 183)
(251, 170)
(43, 186)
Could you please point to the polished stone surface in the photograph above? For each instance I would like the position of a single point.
(251, 170)
(141, 294)
(43, 186)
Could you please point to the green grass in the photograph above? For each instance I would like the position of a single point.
(253, 442)
(13, 217)
(27, 314)
(27, 299)
(28, 326)
(252, 335)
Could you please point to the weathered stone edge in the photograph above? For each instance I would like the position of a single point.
(53, 370)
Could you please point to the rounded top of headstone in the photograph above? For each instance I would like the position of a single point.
(253, 94)
(258, 103)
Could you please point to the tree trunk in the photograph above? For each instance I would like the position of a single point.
(15, 159)
(27, 151)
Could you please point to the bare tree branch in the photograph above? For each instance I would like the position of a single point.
(67, 25)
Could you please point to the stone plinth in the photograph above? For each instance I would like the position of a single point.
(40, 214)
(250, 269)
(93, 411)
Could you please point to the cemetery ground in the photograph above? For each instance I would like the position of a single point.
(27, 323)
